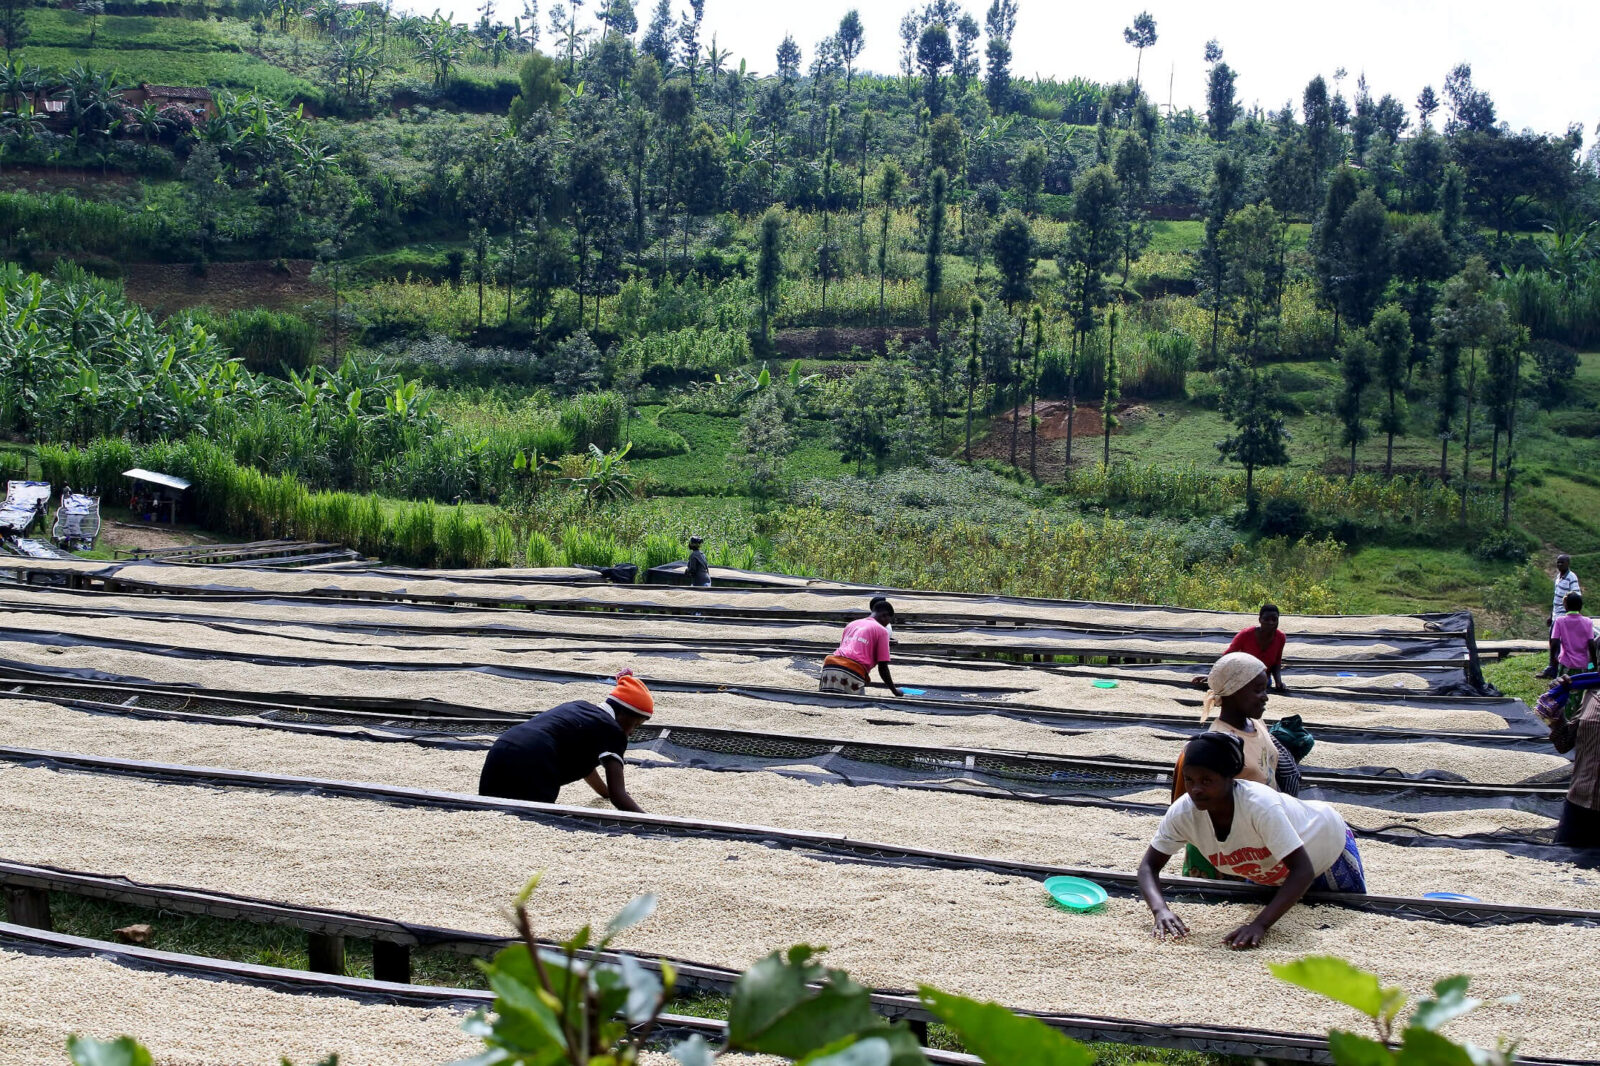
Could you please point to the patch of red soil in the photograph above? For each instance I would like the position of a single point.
(1087, 433)
(169, 287)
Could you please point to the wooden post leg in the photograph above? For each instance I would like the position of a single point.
(29, 907)
(327, 953)
(391, 962)
(920, 1031)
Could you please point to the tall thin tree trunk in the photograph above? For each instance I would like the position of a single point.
(972, 386)
(1072, 404)
(1466, 437)
(1107, 415)
(1352, 475)
(1511, 428)
(1494, 455)
(1016, 394)
(1033, 417)
(1388, 458)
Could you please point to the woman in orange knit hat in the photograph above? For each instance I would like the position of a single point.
(534, 759)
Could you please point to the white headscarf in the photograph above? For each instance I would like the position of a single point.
(1228, 675)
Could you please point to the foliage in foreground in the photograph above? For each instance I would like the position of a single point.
(578, 1004)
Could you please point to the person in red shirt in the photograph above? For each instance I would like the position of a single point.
(1265, 641)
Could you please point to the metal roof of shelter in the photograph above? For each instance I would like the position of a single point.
(164, 480)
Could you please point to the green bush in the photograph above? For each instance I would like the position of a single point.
(653, 441)
(267, 341)
(540, 552)
(585, 547)
(13, 466)
(1574, 423)
(593, 418)
(1502, 545)
(659, 550)
(68, 223)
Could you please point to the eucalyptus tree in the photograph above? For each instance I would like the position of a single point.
(1087, 257)
(965, 67)
(1355, 374)
(1390, 335)
(934, 55)
(14, 29)
(1252, 400)
(891, 179)
(1224, 196)
(1132, 167)
(974, 366)
(657, 40)
(1141, 35)
(852, 37)
(1001, 23)
(827, 251)
(769, 268)
(933, 257)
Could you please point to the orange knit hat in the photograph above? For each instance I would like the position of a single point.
(631, 695)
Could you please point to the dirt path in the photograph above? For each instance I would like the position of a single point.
(169, 287)
(137, 537)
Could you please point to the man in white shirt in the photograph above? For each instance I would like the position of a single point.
(1566, 582)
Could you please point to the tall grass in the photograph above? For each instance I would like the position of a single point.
(1552, 310)
(587, 547)
(65, 222)
(684, 353)
(266, 340)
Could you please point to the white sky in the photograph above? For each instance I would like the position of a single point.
(1538, 59)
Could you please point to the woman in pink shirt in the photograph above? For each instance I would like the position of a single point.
(865, 644)
(1573, 636)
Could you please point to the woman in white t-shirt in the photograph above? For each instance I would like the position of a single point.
(1251, 831)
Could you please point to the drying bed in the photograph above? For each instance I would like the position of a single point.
(892, 927)
(798, 714)
(197, 1021)
(682, 631)
(810, 636)
(997, 828)
(1103, 781)
(291, 640)
(829, 603)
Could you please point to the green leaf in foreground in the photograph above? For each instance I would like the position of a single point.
(123, 1051)
(1421, 1047)
(1351, 1049)
(786, 1006)
(1450, 1000)
(1342, 982)
(1001, 1038)
(868, 1051)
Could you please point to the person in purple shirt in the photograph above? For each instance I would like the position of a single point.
(865, 644)
(1573, 636)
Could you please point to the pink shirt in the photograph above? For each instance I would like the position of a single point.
(1574, 632)
(865, 641)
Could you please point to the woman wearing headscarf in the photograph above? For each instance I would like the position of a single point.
(1236, 692)
(1248, 830)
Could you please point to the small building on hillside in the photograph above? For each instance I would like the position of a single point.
(198, 102)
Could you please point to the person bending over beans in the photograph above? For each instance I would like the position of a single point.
(1250, 831)
(533, 760)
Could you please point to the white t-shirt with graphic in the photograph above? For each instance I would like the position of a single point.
(1267, 825)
